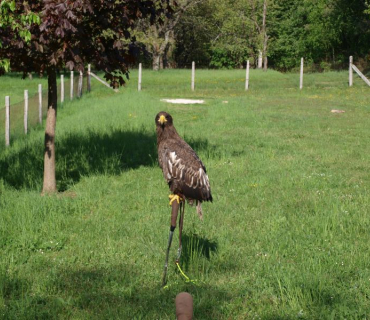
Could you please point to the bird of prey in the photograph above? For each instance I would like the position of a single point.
(184, 172)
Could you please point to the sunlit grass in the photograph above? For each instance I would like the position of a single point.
(286, 237)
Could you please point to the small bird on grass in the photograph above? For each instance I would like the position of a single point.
(185, 174)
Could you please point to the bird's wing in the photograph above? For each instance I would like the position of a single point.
(182, 166)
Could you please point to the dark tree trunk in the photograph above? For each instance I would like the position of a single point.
(49, 185)
(265, 63)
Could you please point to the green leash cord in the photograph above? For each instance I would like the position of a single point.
(187, 279)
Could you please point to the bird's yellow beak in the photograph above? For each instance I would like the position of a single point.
(162, 119)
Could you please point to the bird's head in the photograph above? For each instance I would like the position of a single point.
(163, 119)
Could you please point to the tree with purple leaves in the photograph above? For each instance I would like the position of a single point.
(70, 34)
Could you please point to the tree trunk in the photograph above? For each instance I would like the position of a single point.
(156, 61)
(49, 185)
(159, 51)
(264, 34)
(259, 65)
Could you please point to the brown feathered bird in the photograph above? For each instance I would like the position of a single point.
(184, 172)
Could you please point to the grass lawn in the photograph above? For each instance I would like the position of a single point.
(286, 237)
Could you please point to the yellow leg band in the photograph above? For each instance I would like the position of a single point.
(175, 197)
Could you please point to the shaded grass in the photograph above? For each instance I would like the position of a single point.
(286, 237)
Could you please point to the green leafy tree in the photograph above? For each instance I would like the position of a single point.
(159, 37)
(18, 23)
(235, 33)
(224, 33)
(321, 31)
(192, 37)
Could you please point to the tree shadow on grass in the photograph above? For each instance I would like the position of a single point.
(123, 291)
(85, 154)
(113, 292)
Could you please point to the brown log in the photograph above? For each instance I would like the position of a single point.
(184, 306)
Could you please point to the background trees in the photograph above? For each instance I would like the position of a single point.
(226, 33)
(325, 32)
(159, 37)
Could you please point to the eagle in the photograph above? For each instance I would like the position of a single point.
(185, 174)
(182, 169)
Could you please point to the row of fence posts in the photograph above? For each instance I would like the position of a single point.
(193, 76)
(26, 100)
(89, 74)
(351, 68)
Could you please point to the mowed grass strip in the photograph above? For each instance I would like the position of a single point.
(286, 236)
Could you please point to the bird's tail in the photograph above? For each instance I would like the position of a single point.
(199, 210)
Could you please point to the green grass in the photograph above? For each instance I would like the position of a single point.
(286, 237)
(13, 85)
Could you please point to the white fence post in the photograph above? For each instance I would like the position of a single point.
(139, 81)
(301, 75)
(350, 80)
(247, 77)
(7, 121)
(40, 103)
(192, 75)
(71, 91)
(62, 88)
(25, 115)
(89, 78)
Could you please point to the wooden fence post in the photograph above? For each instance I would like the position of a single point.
(350, 80)
(7, 121)
(192, 75)
(79, 87)
(71, 91)
(301, 75)
(40, 103)
(247, 77)
(139, 81)
(62, 88)
(25, 114)
(89, 78)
